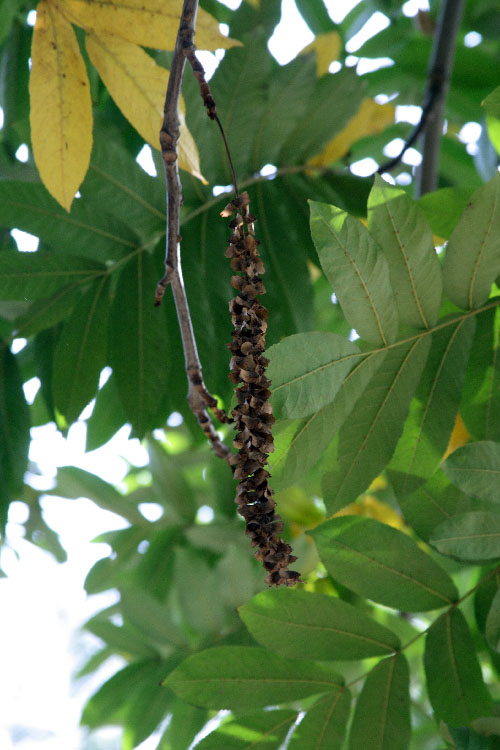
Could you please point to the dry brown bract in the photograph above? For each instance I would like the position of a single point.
(253, 414)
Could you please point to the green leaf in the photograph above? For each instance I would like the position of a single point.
(472, 260)
(197, 586)
(307, 370)
(107, 418)
(443, 208)
(303, 443)
(242, 678)
(150, 617)
(95, 233)
(45, 313)
(184, 725)
(323, 727)
(73, 483)
(480, 407)
(358, 272)
(471, 537)
(433, 411)
(305, 625)
(396, 223)
(31, 276)
(383, 564)
(475, 469)
(138, 338)
(14, 425)
(121, 639)
(492, 631)
(265, 730)
(454, 682)
(492, 103)
(367, 440)
(434, 502)
(382, 715)
(170, 483)
(81, 352)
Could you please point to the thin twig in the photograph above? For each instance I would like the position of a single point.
(198, 397)
(431, 120)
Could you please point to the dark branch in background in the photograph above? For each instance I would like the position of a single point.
(253, 413)
(431, 121)
(440, 67)
(198, 396)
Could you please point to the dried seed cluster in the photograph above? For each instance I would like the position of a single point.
(253, 414)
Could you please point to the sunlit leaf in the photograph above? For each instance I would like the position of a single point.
(456, 689)
(371, 118)
(382, 715)
(366, 441)
(323, 727)
(492, 103)
(472, 537)
(150, 23)
(264, 730)
(382, 563)
(475, 469)
(433, 411)
(61, 109)
(472, 260)
(81, 352)
(398, 226)
(358, 272)
(307, 370)
(138, 85)
(242, 678)
(302, 624)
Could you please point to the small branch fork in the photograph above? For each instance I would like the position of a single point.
(199, 398)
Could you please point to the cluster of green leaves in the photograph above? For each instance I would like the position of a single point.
(348, 411)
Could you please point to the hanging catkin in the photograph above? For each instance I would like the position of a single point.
(253, 413)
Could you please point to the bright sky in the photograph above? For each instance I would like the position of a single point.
(43, 602)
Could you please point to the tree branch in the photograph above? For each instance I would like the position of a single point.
(431, 120)
(198, 396)
(439, 77)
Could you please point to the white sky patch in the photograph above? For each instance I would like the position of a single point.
(404, 178)
(388, 178)
(268, 170)
(209, 61)
(364, 167)
(219, 189)
(31, 388)
(145, 160)
(412, 7)
(151, 511)
(393, 148)
(408, 113)
(232, 4)
(291, 34)
(334, 67)
(353, 335)
(31, 18)
(224, 29)
(472, 39)
(378, 22)
(2, 118)
(105, 375)
(174, 420)
(351, 61)
(23, 153)
(17, 345)
(412, 157)
(205, 514)
(470, 132)
(26, 242)
(369, 64)
(333, 298)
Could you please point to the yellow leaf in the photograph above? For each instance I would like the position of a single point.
(459, 436)
(150, 23)
(138, 85)
(370, 118)
(327, 47)
(61, 109)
